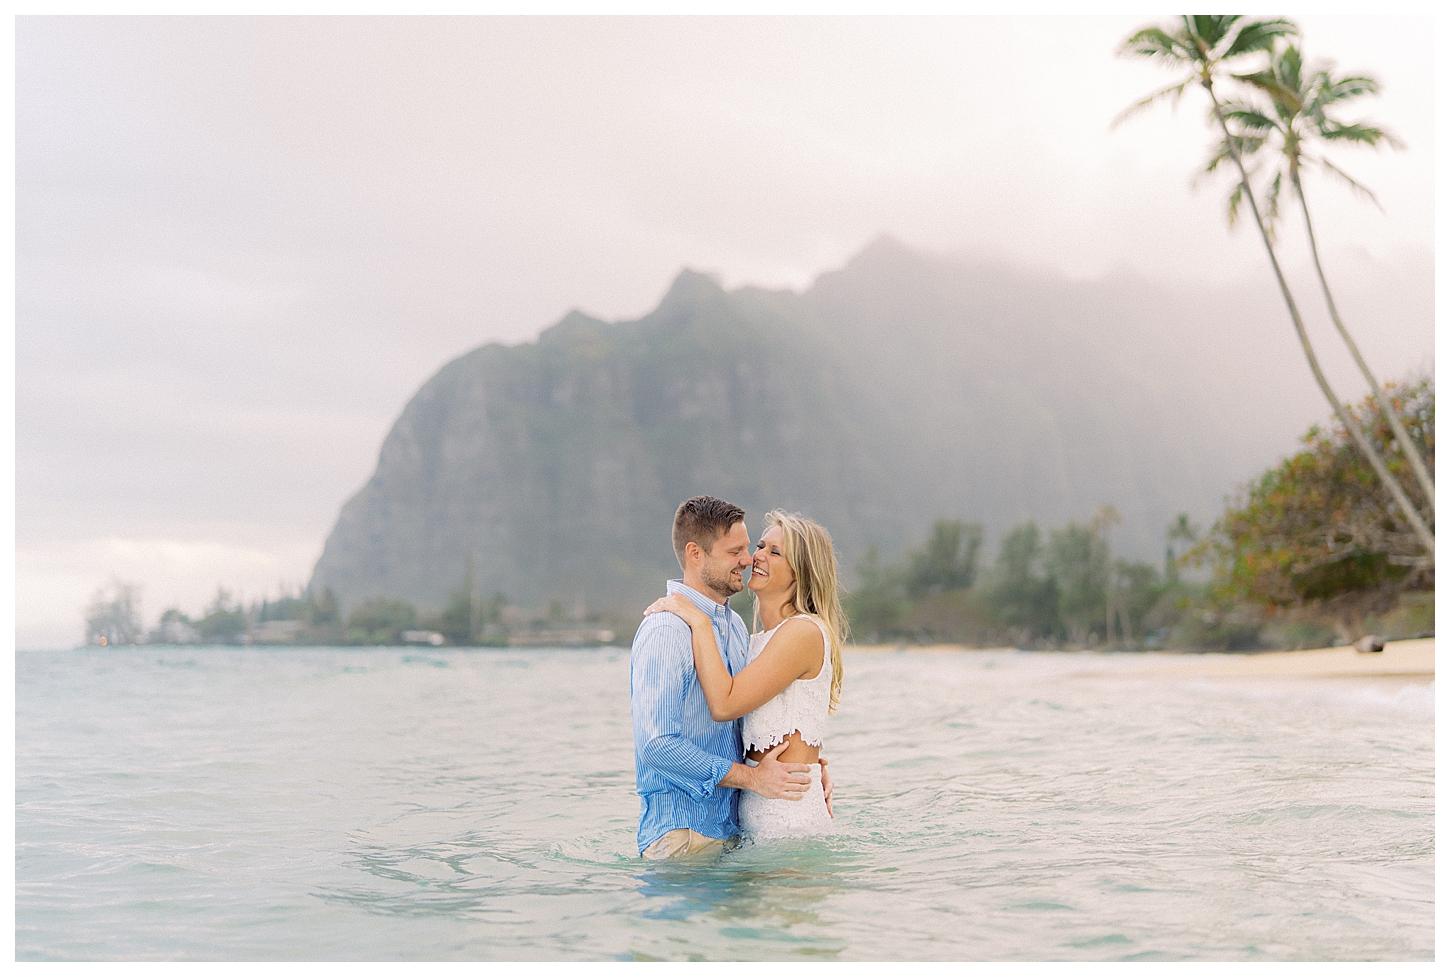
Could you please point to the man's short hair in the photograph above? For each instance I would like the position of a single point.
(702, 520)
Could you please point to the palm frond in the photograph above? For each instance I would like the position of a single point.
(1358, 132)
(1250, 129)
(1271, 85)
(1248, 117)
(1341, 89)
(1354, 184)
(1289, 67)
(1220, 156)
(1217, 158)
(1157, 43)
(1260, 35)
(1235, 199)
(1271, 205)
(1249, 146)
(1211, 29)
(1174, 92)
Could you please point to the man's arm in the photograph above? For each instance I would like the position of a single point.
(657, 693)
(770, 777)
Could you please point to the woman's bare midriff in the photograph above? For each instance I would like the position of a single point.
(798, 751)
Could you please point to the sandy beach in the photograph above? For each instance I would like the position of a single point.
(1412, 660)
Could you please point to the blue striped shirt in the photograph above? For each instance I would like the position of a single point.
(680, 753)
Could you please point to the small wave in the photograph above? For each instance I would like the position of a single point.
(1351, 813)
(1409, 700)
(596, 851)
(423, 660)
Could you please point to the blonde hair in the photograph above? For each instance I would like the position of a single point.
(807, 549)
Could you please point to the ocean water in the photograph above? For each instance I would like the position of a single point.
(387, 804)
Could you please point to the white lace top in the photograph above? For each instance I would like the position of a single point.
(802, 705)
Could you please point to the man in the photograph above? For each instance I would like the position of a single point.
(688, 768)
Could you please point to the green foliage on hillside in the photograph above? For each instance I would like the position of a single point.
(1306, 553)
(1318, 536)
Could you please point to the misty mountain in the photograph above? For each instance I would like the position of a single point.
(896, 390)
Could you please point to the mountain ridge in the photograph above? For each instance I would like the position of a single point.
(896, 389)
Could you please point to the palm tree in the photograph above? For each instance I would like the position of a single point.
(1104, 519)
(1181, 529)
(1300, 116)
(1204, 43)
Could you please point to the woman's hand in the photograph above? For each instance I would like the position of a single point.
(681, 607)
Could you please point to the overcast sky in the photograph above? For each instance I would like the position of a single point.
(242, 244)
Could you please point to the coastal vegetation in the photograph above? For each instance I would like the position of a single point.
(1308, 553)
(1314, 539)
(113, 615)
(1062, 588)
(469, 619)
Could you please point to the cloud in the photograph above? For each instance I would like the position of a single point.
(243, 243)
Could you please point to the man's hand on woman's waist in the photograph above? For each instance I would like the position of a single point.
(770, 777)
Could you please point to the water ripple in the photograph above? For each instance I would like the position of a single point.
(378, 804)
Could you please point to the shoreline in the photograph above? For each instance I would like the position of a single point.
(1412, 658)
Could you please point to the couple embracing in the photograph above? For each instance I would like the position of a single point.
(728, 725)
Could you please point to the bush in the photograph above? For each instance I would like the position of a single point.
(380, 620)
(224, 622)
(1320, 534)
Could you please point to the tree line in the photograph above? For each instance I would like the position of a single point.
(1062, 587)
(1308, 554)
(113, 617)
(468, 618)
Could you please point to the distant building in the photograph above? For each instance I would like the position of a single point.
(422, 638)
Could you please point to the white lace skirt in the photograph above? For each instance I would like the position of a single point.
(769, 817)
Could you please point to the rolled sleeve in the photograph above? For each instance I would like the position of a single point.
(686, 766)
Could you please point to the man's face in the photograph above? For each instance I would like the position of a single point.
(725, 562)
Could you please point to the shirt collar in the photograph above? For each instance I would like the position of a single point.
(717, 611)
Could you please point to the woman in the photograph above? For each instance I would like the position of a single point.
(792, 677)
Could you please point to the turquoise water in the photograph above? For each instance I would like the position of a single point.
(214, 804)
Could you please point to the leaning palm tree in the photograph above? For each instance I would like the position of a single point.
(1205, 44)
(1300, 116)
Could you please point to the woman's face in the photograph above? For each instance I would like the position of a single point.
(770, 574)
